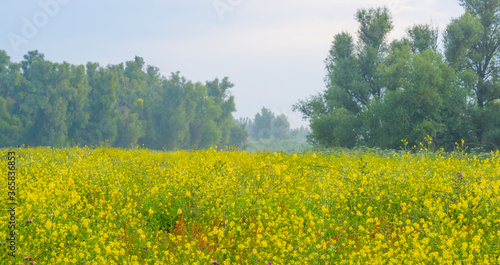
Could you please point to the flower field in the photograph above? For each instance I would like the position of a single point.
(114, 206)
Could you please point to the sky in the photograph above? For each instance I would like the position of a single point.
(273, 51)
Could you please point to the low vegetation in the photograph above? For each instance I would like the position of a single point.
(115, 206)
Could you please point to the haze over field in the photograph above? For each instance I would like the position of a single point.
(273, 51)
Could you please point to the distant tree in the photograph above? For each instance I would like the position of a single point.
(4, 62)
(129, 106)
(280, 127)
(11, 79)
(261, 127)
(130, 129)
(169, 114)
(300, 134)
(239, 136)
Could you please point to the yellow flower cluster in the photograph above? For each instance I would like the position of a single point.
(114, 206)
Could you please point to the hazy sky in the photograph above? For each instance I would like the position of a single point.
(273, 51)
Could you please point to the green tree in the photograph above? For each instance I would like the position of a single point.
(339, 128)
(239, 136)
(169, 113)
(280, 127)
(352, 83)
(261, 127)
(102, 117)
(48, 90)
(219, 91)
(55, 104)
(423, 37)
(422, 100)
(203, 128)
(77, 116)
(472, 42)
(346, 84)
(10, 126)
(375, 25)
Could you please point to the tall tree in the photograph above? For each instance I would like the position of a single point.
(472, 43)
(203, 128)
(219, 91)
(423, 37)
(346, 86)
(351, 82)
(48, 90)
(169, 113)
(375, 25)
(102, 98)
(77, 116)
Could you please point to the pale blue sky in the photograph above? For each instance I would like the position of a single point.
(273, 51)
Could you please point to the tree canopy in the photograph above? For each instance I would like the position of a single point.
(43, 103)
(379, 93)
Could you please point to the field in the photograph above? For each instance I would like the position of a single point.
(114, 206)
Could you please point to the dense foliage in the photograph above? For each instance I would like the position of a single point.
(378, 94)
(58, 104)
(115, 206)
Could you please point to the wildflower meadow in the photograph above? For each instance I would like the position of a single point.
(114, 206)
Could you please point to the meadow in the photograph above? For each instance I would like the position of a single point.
(115, 206)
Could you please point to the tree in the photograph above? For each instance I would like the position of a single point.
(423, 37)
(346, 84)
(339, 128)
(169, 113)
(351, 82)
(45, 103)
(280, 127)
(261, 127)
(422, 100)
(375, 25)
(48, 93)
(472, 42)
(219, 91)
(239, 136)
(378, 95)
(77, 117)
(9, 126)
(102, 98)
(203, 127)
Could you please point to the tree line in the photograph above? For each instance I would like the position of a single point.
(379, 93)
(43, 103)
(267, 125)
(272, 133)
